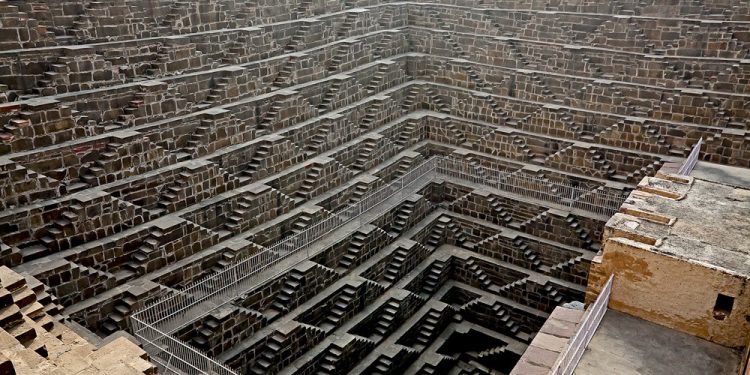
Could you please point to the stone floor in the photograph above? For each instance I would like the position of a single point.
(626, 345)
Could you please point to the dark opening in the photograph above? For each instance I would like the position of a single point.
(723, 306)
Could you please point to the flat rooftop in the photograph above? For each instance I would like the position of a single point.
(669, 214)
(626, 345)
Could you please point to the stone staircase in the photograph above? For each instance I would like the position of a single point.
(265, 362)
(529, 255)
(593, 68)
(337, 59)
(284, 77)
(330, 360)
(311, 181)
(582, 233)
(288, 292)
(460, 201)
(382, 365)
(304, 221)
(216, 94)
(40, 344)
(479, 83)
(431, 281)
(386, 18)
(262, 153)
(54, 81)
(600, 162)
(380, 46)
(484, 280)
(558, 155)
(116, 320)
(410, 101)
(436, 237)
(509, 325)
(405, 166)
(496, 353)
(384, 323)
(354, 251)
(457, 136)
(540, 217)
(134, 109)
(319, 140)
(238, 215)
(428, 329)
(298, 39)
(457, 234)
(350, 20)
(137, 265)
(301, 10)
(177, 10)
(60, 228)
(503, 116)
(171, 194)
(329, 99)
(546, 91)
(340, 306)
(377, 79)
(405, 136)
(499, 213)
(204, 333)
(361, 190)
(236, 50)
(645, 171)
(552, 293)
(396, 264)
(268, 120)
(401, 219)
(488, 240)
(516, 53)
(567, 265)
(198, 138)
(520, 143)
(507, 288)
(438, 102)
(653, 132)
(94, 173)
(364, 154)
(227, 259)
(371, 114)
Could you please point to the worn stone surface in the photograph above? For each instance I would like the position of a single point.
(33, 342)
(627, 345)
(672, 267)
(146, 146)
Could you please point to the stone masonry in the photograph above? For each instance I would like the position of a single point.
(149, 145)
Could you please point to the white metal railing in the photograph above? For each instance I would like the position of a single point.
(154, 324)
(568, 360)
(173, 356)
(598, 200)
(692, 159)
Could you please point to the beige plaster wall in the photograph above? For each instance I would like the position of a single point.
(671, 292)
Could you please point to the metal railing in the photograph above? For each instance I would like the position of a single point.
(568, 360)
(687, 166)
(173, 356)
(154, 325)
(597, 200)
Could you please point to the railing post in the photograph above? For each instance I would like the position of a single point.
(692, 159)
(236, 282)
(184, 304)
(568, 360)
(572, 192)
